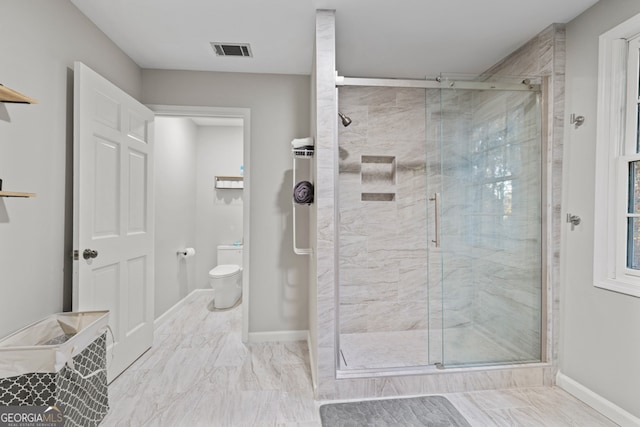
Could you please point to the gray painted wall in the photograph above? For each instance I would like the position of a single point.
(279, 112)
(218, 211)
(39, 41)
(175, 204)
(36, 156)
(600, 337)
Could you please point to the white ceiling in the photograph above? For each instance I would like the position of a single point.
(374, 38)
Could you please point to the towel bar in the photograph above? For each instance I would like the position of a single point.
(296, 249)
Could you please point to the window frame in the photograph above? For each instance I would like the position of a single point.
(613, 154)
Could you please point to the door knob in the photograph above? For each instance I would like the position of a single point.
(89, 254)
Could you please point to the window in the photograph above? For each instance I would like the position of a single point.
(629, 172)
(617, 210)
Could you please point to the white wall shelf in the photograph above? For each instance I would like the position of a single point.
(230, 182)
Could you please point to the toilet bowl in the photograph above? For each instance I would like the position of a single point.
(226, 277)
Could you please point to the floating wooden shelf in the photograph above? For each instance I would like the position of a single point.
(16, 194)
(10, 95)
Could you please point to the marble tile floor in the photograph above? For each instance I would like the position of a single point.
(199, 373)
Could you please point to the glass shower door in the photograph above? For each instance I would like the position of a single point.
(490, 241)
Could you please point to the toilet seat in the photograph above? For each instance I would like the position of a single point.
(224, 270)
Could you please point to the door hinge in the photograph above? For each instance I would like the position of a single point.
(75, 255)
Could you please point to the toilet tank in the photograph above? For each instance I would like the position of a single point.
(230, 254)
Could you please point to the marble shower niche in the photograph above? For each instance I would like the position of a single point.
(475, 298)
(378, 177)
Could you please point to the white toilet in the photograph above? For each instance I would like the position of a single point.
(226, 277)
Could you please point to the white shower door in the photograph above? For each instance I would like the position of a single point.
(113, 213)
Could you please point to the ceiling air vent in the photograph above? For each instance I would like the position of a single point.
(232, 49)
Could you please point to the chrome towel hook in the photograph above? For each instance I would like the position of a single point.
(573, 220)
(576, 120)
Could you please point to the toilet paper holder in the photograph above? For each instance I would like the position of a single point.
(186, 252)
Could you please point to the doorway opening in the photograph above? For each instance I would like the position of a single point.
(202, 197)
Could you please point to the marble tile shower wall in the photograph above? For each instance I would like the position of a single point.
(383, 238)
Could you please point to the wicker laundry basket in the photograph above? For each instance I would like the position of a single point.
(59, 361)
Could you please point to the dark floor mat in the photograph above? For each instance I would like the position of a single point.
(426, 411)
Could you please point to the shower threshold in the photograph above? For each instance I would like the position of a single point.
(342, 374)
(409, 350)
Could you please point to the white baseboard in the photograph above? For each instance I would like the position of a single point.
(255, 337)
(164, 316)
(597, 402)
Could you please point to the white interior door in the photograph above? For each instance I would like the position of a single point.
(113, 213)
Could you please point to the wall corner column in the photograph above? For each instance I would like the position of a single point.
(326, 113)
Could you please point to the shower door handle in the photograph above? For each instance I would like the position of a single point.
(436, 201)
